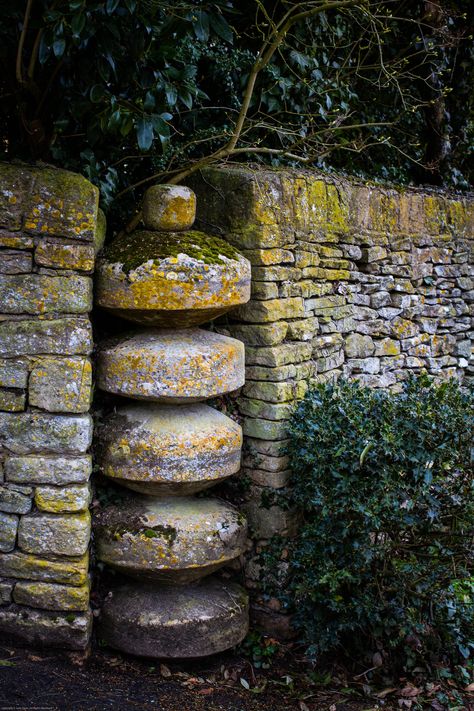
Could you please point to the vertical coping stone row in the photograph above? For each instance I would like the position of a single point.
(165, 445)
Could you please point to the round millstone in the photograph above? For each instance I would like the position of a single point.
(171, 366)
(175, 623)
(174, 279)
(169, 449)
(169, 207)
(170, 540)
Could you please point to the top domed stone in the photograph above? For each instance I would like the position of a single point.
(171, 279)
(169, 207)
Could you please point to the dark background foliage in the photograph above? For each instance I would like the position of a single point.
(124, 89)
(384, 557)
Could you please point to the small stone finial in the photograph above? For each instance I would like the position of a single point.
(169, 208)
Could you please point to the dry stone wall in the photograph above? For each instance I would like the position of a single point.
(347, 279)
(50, 230)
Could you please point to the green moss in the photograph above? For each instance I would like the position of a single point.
(140, 246)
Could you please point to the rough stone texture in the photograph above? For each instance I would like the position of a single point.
(48, 469)
(50, 230)
(179, 366)
(167, 622)
(174, 540)
(64, 336)
(171, 279)
(54, 569)
(369, 282)
(45, 534)
(61, 385)
(8, 531)
(51, 596)
(169, 208)
(40, 432)
(41, 628)
(40, 294)
(163, 450)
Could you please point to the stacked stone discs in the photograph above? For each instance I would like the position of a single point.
(167, 445)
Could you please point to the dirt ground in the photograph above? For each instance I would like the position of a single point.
(42, 681)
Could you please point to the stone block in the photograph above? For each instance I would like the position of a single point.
(254, 446)
(264, 429)
(15, 262)
(12, 400)
(61, 204)
(303, 329)
(268, 521)
(64, 499)
(386, 347)
(373, 254)
(276, 273)
(65, 336)
(270, 310)
(358, 346)
(270, 334)
(57, 255)
(40, 294)
(13, 374)
(8, 531)
(33, 432)
(12, 501)
(265, 410)
(15, 240)
(273, 480)
(169, 208)
(70, 571)
(61, 385)
(257, 460)
(48, 470)
(44, 628)
(275, 392)
(283, 354)
(52, 596)
(16, 184)
(267, 257)
(6, 589)
(262, 290)
(46, 534)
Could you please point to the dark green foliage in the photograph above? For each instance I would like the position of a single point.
(385, 554)
(123, 89)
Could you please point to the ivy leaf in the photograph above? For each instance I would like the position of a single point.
(144, 133)
(111, 6)
(78, 23)
(171, 94)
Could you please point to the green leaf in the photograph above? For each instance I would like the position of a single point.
(201, 26)
(171, 94)
(59, 46)
(221, 27)
(144, 130)
(96, 93)
(78, 23)
(111, 6)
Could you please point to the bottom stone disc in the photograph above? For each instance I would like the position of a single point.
(175, 623)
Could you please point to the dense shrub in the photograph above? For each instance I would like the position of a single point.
(385, 554)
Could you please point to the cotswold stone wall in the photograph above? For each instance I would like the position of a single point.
(347, 279)
(49, 232)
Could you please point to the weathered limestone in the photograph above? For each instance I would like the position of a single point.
(176, 450)
(174, 279)
(171, 540)
(50, 231)
(365, 282)
(175, 623)
(181, 366)
(169, 208)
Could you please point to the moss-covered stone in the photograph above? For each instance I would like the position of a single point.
(57, 470)
(63, 336)
(8, 531)
(35, 433)
(52, 596)
(41, 294)
(64, 499)
(61, 384)
(12, 501)
(56, 255)
(68, 571)
(45, 534)
(169, 207)
(12, 400)
(45, 628)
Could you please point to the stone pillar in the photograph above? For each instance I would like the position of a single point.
(49, 233)
(166, 445)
